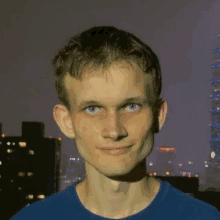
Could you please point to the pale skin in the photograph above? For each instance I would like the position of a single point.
(115, 186)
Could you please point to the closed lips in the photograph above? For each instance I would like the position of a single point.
(114, 148)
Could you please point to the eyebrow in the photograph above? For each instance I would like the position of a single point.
(125, 101)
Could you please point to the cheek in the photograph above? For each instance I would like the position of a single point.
(142, 123)
(85, 128)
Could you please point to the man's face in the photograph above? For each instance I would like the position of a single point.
(111, 123)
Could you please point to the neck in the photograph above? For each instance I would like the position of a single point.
(118, 194)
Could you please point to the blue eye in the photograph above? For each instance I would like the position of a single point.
(95, 106)
(90, 107)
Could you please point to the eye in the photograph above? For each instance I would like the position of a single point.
(133, 104)
(95, 106)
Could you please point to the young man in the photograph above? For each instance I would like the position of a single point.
(112, 112)
(113, 138)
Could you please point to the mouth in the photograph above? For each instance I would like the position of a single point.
(116, 148)
(117, 151)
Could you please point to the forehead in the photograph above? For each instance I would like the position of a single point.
(129, 70)
(121, 79)
(133, 73)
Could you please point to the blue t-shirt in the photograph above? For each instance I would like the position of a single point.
(169, 203)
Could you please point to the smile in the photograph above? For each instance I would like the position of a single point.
(117, 151)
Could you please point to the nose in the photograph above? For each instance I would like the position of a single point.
(114, 129)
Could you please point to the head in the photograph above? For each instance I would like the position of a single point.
(108, 66)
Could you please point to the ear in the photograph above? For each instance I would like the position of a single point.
(62, 118)
(163, 114)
